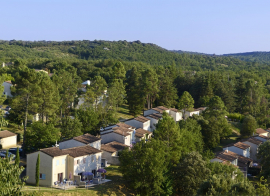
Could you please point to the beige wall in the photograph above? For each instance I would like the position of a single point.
(59, 166)
(45, 168)
(9, 142)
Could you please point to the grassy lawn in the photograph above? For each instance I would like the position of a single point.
(123, 112)
(236, 126)
(113, 188)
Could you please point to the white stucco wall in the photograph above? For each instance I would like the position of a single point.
(264, 134)
(92, 162)
(9, 142)
(45, 168)
(177, 116)
(261, 139)
(235, 162)
(138, 124)
(245, 153)
(7, 90)
(109, 137)
(153, 122)
(70, 144)
(96, 144)
(253, 150)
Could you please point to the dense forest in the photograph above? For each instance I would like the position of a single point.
(258, 57)
(142, 76)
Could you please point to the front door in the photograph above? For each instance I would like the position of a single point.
(60, 177)
(94, 172)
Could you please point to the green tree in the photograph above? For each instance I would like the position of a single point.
(186, 103)
(45, 134)
(26, 93)
(17, 160)
(66, 81)
(37, 170)
(7, 155)
(10, 181)
(143, 167)
(134, 89)
(89, 119)
(264, 156)
(191, 136)
(116, 93)
(190, 173)
(213, 122)
(249, 126)
(119, 71)
(95, 92)
(240, 91)
(2, 97)
(49, 97)
(168, 93)
(70, 127)
(150, 86)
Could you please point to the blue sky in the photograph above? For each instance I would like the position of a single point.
(209, 26)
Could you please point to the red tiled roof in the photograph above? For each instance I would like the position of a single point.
(86, 138)
(174, 109)
(260, 131)
(160, 109)
(252, 140)
(141, 132)
(155, 116)
(74, 152)
(6, 133)
(125, 125)
(141, 119)
(239, 145)
(113, 146)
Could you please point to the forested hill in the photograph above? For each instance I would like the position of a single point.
(40, 53)
(256, 57)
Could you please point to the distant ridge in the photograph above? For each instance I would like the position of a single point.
(256, 56)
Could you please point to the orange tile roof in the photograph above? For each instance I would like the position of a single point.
(260, 131)
(239, 145)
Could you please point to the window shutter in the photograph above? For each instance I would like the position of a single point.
(43, 176)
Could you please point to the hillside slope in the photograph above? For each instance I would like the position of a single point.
(259, 57)
(73, 51)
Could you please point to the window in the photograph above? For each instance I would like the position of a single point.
(78, 161)
(57, 162)
(63, 161)
(92, 158)
(42, 176)
(84, 160)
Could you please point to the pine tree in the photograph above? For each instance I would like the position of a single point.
(168, 132)
(134, 90)
(49, 97)
(150, 86)
(37, 170)
(186, 103)
(27, 92)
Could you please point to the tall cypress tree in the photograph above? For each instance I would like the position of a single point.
(17, 160)
(37, 170)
